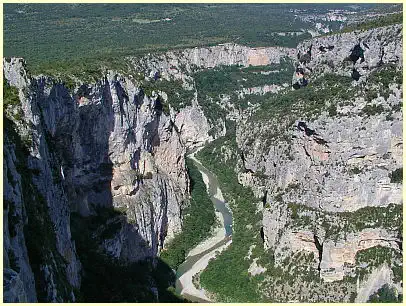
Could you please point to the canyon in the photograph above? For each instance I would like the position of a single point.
(321, 164)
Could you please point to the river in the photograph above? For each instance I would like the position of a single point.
(198, 257)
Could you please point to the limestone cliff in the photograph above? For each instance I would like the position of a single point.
(182, 64)
(179, 63)
(107, 146)
(113, 149)
(327, 159)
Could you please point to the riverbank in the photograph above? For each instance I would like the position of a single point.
(186, 280)
(198, 258)
(219, 233)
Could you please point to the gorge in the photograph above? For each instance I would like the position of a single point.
(198, 257)
(224, 173)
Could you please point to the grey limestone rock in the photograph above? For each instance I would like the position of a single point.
(330, 164)
(105, 146)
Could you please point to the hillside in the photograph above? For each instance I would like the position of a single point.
(302, 141)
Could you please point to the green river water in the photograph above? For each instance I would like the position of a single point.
(220, 206)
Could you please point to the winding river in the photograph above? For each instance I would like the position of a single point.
(198, 258)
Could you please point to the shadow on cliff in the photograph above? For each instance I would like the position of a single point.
(78, 142)
(107, 279)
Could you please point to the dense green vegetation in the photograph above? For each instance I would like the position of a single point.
(369, 259)
(197, 224)
(106, 279)
(379, 82)
(10, 95)
(230, 270)
(87, 70)
(386, 294)
(386, 74)
(308, 101)
(396, 176)
(77, 37)
(382, 21)
(372, 110)
(11, 102)
(227, 79)
(52, 32)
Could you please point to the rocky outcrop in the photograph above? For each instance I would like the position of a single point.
(192, 122)
(107, 146)
(19, 282)
(193, 126)
(344, 167)
(178, 64)
(261, 90)
(378, 278)
(13, 287)
(322, 172)
(338, 255)
(353, 53)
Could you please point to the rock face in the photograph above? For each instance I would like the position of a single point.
(193, 126)
(344, 168)
(179, 63)
(38, 210)
(19, 282)
(102, 146)
(378, 278)
(328, 177)
(108, 146)
(338, 255)
(14, 288)
(360, 51)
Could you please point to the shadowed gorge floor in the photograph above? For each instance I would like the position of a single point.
(108, 280)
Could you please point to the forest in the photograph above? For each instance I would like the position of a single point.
(49, 34)
(229, 270)
(383, 21)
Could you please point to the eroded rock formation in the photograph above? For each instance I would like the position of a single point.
(324, 173)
